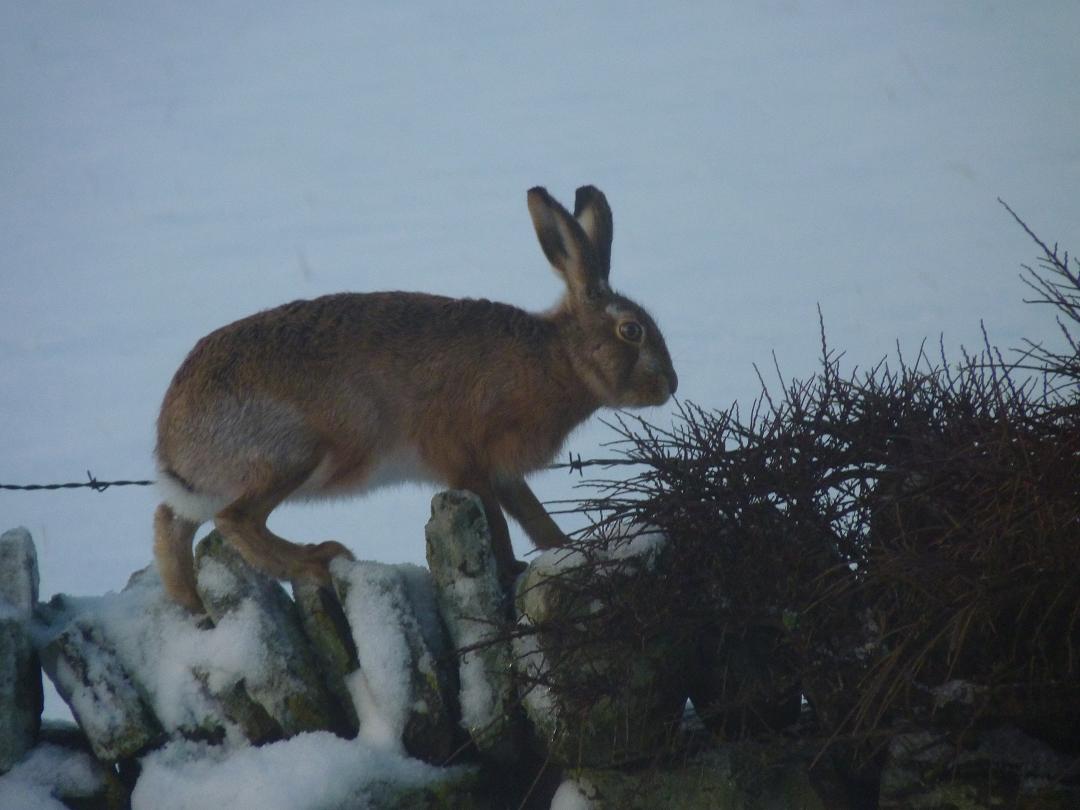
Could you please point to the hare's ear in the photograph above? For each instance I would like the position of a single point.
(565, 244)
(593, 213)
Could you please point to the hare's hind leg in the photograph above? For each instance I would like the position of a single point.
(175, 561)
(243, 523)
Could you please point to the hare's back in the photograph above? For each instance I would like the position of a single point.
(302, 337)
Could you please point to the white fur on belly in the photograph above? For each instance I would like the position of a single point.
(400, 466)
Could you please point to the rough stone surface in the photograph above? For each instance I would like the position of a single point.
(56, 776)
(18, 570)
(399, 691)
(636, 719)
(471, 603)
(741, 776)
(290, 688)
(20, 669)
(206, 715)
(107, 703)
(331, 641)
(235, 705)
(20, 692)
(999, 768)
(105, 792)
(461, 789)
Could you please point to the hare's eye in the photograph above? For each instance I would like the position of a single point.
(631, 331)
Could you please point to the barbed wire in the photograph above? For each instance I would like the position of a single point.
(91, 483)
(575, 464)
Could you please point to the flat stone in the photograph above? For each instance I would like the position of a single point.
(20, 692)
(288, 684)
(331, 642)
(106, 701)
(471, 603)
(1002, 767)
(18, 570)
(739, 776)
(399, 691)
(562, 663)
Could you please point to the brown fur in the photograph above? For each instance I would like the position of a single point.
(481, 392)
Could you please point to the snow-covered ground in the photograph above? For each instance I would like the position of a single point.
(168, 168)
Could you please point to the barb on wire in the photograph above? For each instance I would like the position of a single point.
(91, 483)
(578, 465)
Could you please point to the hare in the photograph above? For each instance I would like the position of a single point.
(346, 392)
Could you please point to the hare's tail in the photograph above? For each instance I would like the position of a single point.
(185, 500)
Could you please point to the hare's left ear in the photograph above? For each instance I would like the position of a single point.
(566, 246)
(593, 213)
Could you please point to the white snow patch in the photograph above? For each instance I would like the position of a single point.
(379, 612)
(160, 644)
(629, 542)
(46, 773)
(477, 697)
(571, 796)
(558, 559)
(311, 771)
(531, 659)
(216, 578)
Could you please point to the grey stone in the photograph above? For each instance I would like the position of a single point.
(574, 722)
(740, 776)
(459, 789)
(106, 701)
(289, 687)
(1002, 767)
(234, 704)
(331, 641)
(206, 714)
(18, 570)
(69, 774)
(63, 734)
(471, 603)
(399, 689)
(20, 691)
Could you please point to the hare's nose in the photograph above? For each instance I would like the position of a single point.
(673, 380)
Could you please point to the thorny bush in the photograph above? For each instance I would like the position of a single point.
(896, 545)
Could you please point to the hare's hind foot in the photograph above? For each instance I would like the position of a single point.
(243, 523)
(277, 557)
